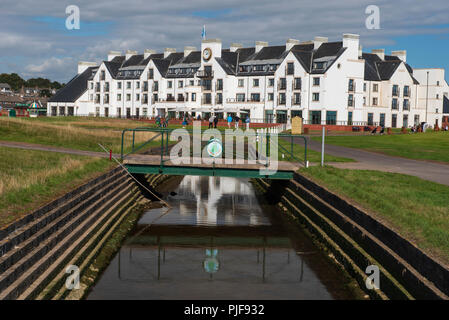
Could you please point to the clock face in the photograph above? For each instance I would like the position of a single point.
(207, 54)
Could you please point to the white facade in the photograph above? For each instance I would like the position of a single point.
(324, 82)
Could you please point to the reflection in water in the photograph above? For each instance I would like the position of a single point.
(217, 242)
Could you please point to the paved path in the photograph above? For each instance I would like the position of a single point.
(39, 147)
(367, 160)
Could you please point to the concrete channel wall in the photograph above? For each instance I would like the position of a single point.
(36, 249)
(357, 240)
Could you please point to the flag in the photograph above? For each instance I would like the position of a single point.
(203, 34)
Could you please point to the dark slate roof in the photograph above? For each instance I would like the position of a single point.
(305, 58)
(134, 60)
(371, 73)
(244, 54)
(74, 88)
(303, 47)
(162, 65)
(267, 53)
(112, 67)
(445, 105)
(386, 69)
(175, 57)
(328, 49)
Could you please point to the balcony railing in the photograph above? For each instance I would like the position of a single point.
(234, 100)
(205, 74)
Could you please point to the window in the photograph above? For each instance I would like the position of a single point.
(315, 96)
(374, 101)
(416, 119)
(297, 84)
(128, 97)
(290, 68)
(297, 99)
(350, 100)
(406, 104)
(364, 101)
(106, 99)
(315, 116)
(255, 82)
(364, 87)
(370, 119)
(150, 73)
(219, 98)
(282, 98)
(241, 83)
(180, 84)
(240, 97)
(191, 82)
(145, 98)
(193, 96)
(103, 75)
(128, 85)
(405, 120)
(438, 83)
(350, 118)
(406, 91)
(145, 86)
(375, 87)
(156, 86)
(106, 86)
(155, 97)
(255, 97)
(331, 117)
(270, 97)
(119, 97)
(316, 81)
(220, 84)
(282, 84)
(91, 85)
(351, 86)
(382, 120)
(137, 97)
(438, 96)
(169, 84)
(138, 85)
(394, 104)
(395, 92)
(180, 97)
(394, 120)
(271, 82)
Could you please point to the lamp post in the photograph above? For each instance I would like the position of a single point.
(427, 94)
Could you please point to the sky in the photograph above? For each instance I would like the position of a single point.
(34, 40)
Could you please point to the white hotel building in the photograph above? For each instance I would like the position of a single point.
(323, 82)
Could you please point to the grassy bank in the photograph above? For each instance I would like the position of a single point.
(421, 146)
(72, 133)
(29, 179)
(416, 208)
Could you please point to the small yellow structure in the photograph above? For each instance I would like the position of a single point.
(297, 125)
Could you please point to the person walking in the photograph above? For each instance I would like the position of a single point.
(215, 122)
(211, 121)
(229, 121)
(247, 121)
(237, 119)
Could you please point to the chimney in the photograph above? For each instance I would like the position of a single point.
(260, 45)
(113, 54)
(360, 51)
(351, 43)
(235, 46)
(168, 51)
(188, 50)
(318, 41)
(380, 53)
(401, 54)
(290, 44)
(130, 53)
(147, 53)
(83, 65)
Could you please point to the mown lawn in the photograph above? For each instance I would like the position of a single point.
(420, 146)
(416, 208)
(29, 179)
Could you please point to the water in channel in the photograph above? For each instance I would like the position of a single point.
(219, 241)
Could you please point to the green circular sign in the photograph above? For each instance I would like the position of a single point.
(214, 148)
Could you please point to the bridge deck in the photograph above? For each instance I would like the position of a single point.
(139, 163)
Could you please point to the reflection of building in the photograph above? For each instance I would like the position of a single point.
(217, 199)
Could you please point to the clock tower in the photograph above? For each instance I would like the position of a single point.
(210, 49)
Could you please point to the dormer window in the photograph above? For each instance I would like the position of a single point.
(319, 65)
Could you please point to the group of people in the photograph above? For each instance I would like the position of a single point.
(236, 119)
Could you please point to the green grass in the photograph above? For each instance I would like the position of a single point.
(416, 208)
(29, 179)
(421, 146)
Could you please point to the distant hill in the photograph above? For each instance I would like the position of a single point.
(16, 82)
